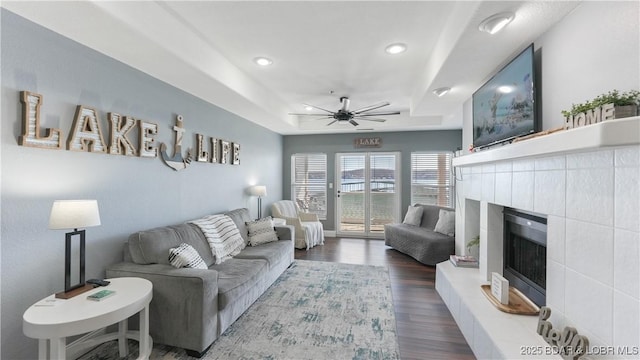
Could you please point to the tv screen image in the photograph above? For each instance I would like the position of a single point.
(504, 107)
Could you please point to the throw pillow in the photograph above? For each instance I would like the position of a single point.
(185, 256)
(222, 235)
(413, 216)
(261, 231)
(446, 222)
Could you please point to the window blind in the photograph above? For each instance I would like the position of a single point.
(432, 181)
(309, 183)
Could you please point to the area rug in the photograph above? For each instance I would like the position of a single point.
(315, 310)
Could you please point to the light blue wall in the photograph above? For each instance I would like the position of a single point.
(133, 193)
(403, 142)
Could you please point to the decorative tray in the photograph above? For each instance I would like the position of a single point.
(518, 303)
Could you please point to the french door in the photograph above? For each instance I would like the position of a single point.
(368, 193)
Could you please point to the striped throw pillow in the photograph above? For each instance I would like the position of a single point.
(222, 235)
(261, 231)
(185, 256)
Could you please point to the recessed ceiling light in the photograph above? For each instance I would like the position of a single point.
(263, 61)
(396, 48)
(308, 108)
(497, 22)
(440, 92)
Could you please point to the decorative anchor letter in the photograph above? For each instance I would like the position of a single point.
(176, 162)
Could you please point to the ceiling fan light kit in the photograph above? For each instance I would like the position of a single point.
(497, 22)
(440, 92)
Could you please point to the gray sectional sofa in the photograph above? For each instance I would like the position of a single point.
(191, 307)
(421, 242)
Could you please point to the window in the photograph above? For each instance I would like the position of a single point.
(309, 183)
(432, 179)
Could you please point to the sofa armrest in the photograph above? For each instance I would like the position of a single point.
(304, 216)
(293, 221)
(184, 308)
(285, 232)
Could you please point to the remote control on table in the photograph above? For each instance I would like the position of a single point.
(98, 282)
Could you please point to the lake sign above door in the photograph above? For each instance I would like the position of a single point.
(373, 142)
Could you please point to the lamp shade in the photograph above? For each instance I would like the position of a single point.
(258, 190)
(73, 214)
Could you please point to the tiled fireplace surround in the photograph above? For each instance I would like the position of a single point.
(587, 183)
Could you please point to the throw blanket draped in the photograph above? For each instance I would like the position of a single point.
(222, 235)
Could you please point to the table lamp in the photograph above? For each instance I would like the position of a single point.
(259, 191)
(74, 214)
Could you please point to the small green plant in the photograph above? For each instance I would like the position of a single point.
(614, 97)
(474, 242)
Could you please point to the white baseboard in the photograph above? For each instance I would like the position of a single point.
(330, 233)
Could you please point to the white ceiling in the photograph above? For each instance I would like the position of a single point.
(321, 51)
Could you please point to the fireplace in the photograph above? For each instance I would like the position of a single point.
(525, 253)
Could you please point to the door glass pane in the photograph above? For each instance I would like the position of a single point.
(383, 191)
(352, 188)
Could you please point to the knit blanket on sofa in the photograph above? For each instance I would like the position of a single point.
(222, 235)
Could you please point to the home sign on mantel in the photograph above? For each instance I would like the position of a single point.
(86, 135)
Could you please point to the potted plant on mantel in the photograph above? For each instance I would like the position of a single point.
(472, 245)
(625, 104)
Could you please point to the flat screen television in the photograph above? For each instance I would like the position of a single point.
(505, 106)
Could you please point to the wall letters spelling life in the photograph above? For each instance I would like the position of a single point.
(86, 135)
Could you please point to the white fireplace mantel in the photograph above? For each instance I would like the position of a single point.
(586, 182)
(618, 132)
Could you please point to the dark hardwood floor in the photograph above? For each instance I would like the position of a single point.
(426, 330)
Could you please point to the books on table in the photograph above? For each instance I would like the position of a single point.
(464, 261)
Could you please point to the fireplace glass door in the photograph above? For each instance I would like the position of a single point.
(525, 258)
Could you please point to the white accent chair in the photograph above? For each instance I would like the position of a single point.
(308, 228)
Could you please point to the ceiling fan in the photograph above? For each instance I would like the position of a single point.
(346, 115)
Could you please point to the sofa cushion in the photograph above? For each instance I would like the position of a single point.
(446, 223)
(430, 215)
(261, 231)
(236, 277)
(413, 216)
(152, 246)
(415, 233)
(240, 218)
(185, 256)
(273, 252)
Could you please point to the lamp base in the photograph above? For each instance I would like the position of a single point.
(75, 292)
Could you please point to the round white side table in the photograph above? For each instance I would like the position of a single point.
(52, 320)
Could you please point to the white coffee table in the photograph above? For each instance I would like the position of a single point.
(76, 316)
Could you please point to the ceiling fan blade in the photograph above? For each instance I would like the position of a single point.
(332, 122)
(319, 108)
(371, 107)
(381, 114)
(370, 119)
(302, 114)
(353, 122)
